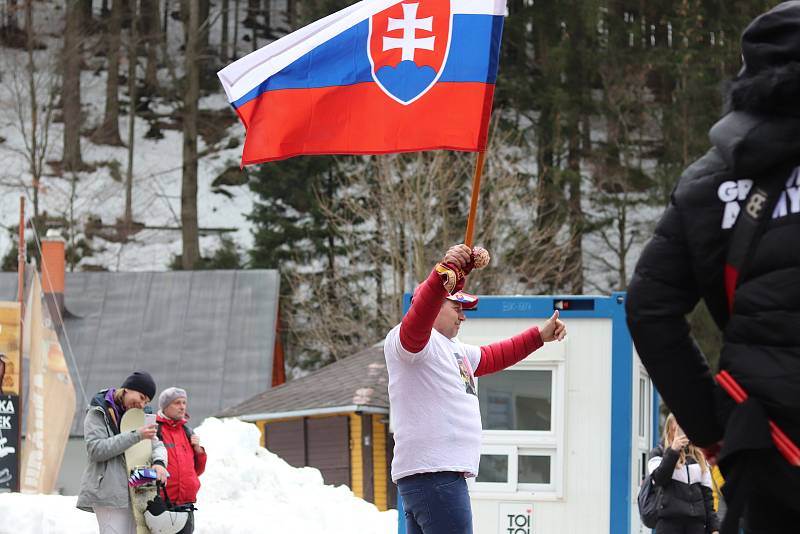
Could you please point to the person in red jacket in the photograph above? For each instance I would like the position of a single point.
(186, 457)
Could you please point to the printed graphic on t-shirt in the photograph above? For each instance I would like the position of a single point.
(734, 192)
(466, 374)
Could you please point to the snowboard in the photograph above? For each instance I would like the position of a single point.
(138, 457)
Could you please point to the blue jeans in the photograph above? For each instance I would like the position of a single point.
(436, 503)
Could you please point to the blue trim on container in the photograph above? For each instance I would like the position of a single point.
(343, 61)
(523, 306)
(656, 419)
(621, 418)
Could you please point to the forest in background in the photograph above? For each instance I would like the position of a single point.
(599, 106)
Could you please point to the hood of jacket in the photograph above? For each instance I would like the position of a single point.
(175, 423)
(762, 132)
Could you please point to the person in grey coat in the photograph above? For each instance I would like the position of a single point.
(104, 485)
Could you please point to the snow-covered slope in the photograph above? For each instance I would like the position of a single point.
(156, 164)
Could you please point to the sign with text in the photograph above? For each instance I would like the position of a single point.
(515, 518)
(9, 434)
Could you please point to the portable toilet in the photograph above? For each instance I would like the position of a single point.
(566, 432)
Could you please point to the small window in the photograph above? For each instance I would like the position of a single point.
(534, 469)
(493, 468)
(517, 400)
(498, 469)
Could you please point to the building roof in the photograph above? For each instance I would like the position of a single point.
(209, 332)
(358, 382)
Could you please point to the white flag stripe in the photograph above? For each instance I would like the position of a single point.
(478, 7)
(243, 75)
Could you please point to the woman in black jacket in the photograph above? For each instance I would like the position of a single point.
(680, 470)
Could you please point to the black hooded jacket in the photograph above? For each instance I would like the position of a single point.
(758, 141)
(683, 501)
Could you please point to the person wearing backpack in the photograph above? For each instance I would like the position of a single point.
(682, 477)
(187, 458)
(730, 237)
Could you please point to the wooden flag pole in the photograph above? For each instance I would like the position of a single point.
(473, 205)
(17, 483)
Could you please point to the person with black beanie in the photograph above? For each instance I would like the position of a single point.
(731, 236)
(104, 485)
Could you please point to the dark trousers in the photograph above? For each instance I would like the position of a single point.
(769, 514)
(189, 509)
(189, 528)
(436, 503)
(764, 489)
(677, 526)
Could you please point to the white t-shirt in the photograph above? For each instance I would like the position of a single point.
(434, 406)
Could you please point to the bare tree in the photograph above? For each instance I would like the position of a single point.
(223, 42)
(32, 89)
(132, 59)
(87, 16)
(621, 185)
(394, 217)
(37, 138)
(203, 26)
(10, 12)
(71, 95)
(235, 50)
(108, 132)
(11, 34)
(189, 225)
(151, 35)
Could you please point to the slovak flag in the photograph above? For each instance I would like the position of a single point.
(377, 77)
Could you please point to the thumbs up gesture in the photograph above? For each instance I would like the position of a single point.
(554, 329)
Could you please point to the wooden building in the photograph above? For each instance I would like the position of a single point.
(336, 420)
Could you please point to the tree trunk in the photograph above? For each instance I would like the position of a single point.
(223, 43)
(253, 9)
(191, 242)
(266, 10)
(151, 34)
(11, 16)
(235, 49)
(108, 132)
(87, 16)
(204, 12)
(132, 46)
(576, 79)
(291, 8)
(34, 167)
(71, 91)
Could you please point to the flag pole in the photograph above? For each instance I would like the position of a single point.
(473, 205)
(17, 484)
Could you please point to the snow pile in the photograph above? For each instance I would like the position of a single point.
(248, 489)
(43, 514)
(245, 489)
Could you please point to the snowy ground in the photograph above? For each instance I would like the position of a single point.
(245, 489)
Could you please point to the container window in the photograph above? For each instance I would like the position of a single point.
(517, 400)
(493, 468)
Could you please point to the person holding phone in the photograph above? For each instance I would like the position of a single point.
(680, 470)
(187, 458)
(104, 485)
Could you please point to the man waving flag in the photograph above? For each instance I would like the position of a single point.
(380, 76)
